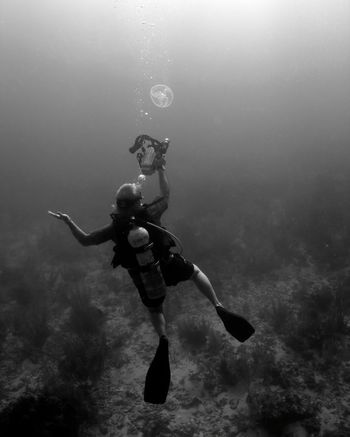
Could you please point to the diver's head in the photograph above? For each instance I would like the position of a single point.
(128, 197)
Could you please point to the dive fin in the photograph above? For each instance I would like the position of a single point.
(236, 325)
(158, 376)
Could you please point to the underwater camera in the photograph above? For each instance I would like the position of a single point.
(149, 152)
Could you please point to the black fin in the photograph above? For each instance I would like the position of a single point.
(158, 376)
(236, 325)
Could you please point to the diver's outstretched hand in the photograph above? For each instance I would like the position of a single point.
(60, 216)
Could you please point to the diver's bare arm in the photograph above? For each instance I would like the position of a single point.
(163, 182)
(78, 233)
(83, 238)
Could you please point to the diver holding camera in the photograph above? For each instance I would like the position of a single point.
(143, 247)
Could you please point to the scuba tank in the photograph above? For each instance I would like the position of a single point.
(149, 151)
(124, 253)
(149, 267)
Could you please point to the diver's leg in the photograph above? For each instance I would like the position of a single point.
(204, 286)
(155, 308)
(158, 320)
(235, 324)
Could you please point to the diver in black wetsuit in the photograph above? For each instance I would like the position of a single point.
(174, 268)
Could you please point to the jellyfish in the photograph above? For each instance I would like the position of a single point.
(162, 96)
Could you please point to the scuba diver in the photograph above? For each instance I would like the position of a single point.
(143, 247)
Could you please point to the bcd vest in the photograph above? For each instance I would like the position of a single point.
(124, 253)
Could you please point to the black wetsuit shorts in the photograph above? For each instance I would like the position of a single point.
(175, 269)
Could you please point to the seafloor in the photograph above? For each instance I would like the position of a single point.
(75, 334)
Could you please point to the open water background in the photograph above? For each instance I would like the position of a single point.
(262, 100)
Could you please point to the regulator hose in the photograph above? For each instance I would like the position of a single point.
(178, 241)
